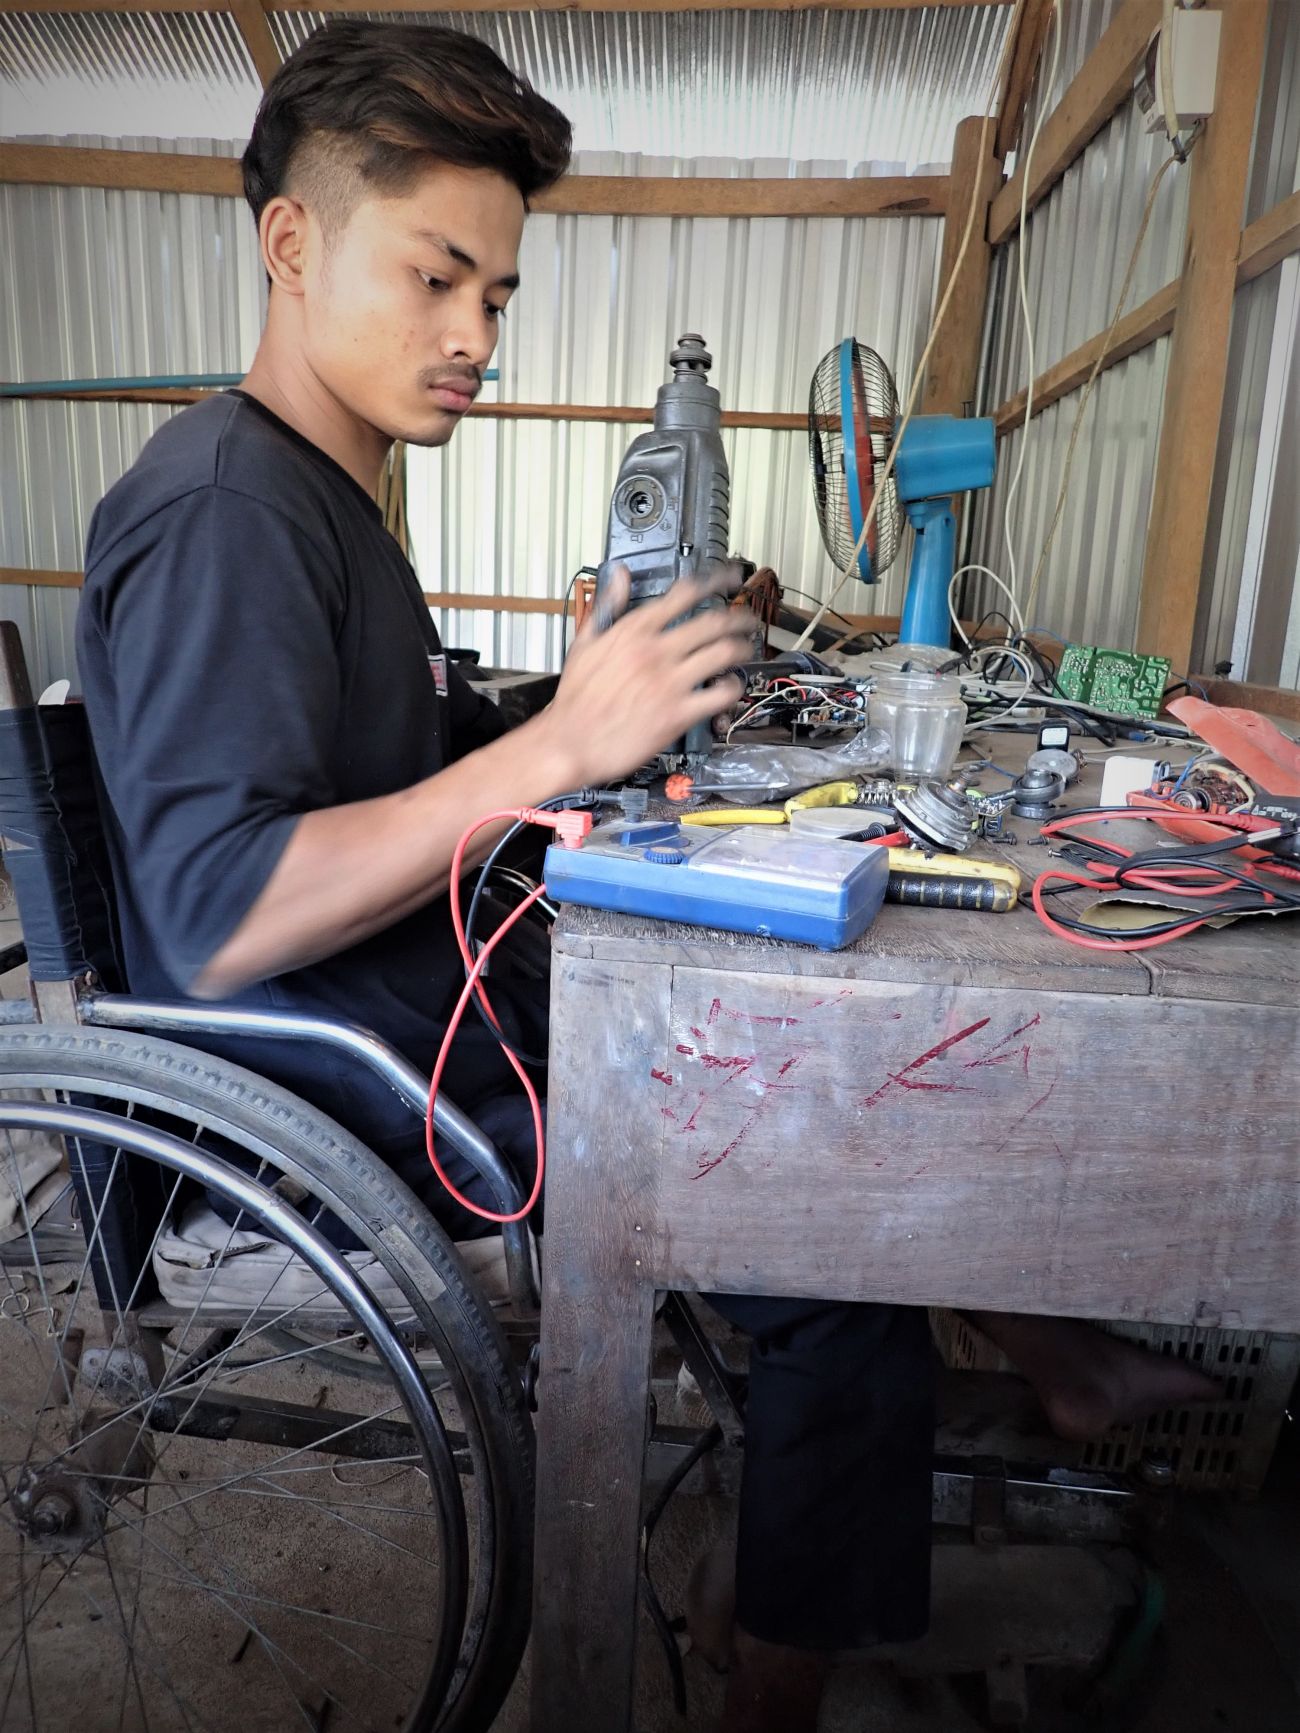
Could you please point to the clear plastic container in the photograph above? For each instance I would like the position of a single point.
(924, 717)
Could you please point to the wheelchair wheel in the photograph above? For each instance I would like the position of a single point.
(293, 1551)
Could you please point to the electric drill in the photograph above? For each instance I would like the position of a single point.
(670, 514)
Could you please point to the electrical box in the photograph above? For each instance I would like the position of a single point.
(1194, 67)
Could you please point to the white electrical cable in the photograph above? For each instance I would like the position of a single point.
(1017, 618)
(1022, 253)
(1004, 64)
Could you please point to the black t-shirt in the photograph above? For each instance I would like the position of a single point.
(253, 645)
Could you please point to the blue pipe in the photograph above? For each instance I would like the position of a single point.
(139, 382)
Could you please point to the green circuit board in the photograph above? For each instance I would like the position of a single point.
(1119, 681)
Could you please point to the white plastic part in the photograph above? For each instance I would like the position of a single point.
(1193, 61)
(1125, 776)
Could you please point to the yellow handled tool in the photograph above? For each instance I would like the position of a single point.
(829, 794)
(729, 815)
(913, 870)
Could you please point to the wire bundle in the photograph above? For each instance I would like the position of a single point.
(796, 703)
(1214, 874)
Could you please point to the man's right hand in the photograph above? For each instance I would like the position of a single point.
(632, 687)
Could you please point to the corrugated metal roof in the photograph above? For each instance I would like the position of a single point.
(885, 86)
(879, 86)
(164, 75)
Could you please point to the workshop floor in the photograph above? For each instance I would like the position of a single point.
(1230, 1573)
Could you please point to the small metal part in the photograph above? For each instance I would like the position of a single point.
(1036, 793)
(53, 1514)
(939, 814)
(1054, 759)
(633, 803)
(1156, 1469)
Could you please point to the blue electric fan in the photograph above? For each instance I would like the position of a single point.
(852, 427)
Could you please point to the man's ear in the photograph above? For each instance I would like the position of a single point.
(282, 234)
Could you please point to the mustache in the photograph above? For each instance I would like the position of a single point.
(466, 379)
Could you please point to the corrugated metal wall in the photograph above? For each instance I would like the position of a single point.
(112, 283)
(1250, 598)
(1079, 242)
(102, 284)
(127, 283)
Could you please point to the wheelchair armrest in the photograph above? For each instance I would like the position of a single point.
(183, 1017)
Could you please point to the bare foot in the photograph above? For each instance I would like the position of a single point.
(771, 1688)
(711, 1602)
(1088, 1381)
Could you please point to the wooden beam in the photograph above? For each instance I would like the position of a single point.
(576, 195)
(1269, 240)
(1274, 701)
(178, 396)
(499, 5)
(1020, 77)
(251, 23)
(1154, 318)
(57, 165)
(1101, 86)
(955, 358)
(54, 580)
(708, 196)
(472, 604)
(1198, 362)
(40, 580)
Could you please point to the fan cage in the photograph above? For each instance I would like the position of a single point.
(873, 413)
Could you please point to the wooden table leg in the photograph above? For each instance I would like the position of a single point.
(591, 1435)
(597, 1317)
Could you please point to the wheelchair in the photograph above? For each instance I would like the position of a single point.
(265, 1431)
(290, 1481)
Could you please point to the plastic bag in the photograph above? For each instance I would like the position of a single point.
(775, 772)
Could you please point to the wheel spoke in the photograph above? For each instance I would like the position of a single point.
(272, 1649)
(229, 1410)
(162, 1677)
(129, 1671)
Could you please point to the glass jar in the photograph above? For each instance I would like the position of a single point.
(924, 717)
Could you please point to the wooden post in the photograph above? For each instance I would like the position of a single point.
(955, 359)
(252, 24)
(1189, 434)
(1020, 76)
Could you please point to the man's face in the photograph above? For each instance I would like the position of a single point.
(401, 308)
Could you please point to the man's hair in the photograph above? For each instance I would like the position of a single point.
(367, 105)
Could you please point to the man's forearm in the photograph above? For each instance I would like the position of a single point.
(350, 871)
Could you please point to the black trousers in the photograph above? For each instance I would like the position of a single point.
(834, 1532)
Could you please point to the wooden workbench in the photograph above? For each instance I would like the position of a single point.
(958, 1110)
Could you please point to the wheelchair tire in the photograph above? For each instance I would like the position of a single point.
(307, 1148)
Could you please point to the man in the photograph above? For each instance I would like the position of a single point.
(288, 763)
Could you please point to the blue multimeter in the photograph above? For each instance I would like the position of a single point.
(763, 879)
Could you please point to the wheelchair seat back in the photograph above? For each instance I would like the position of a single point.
(51, 831)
